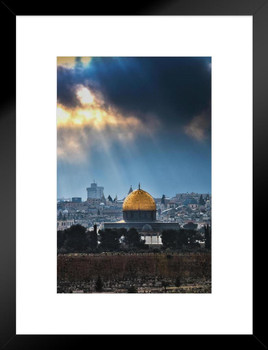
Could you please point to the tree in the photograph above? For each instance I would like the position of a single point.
(60, 238)
(110, 198)
(109, 239)
(201, 200)
(132, 289)
(163, 199)
(191, 237)
(122, 231)
(169, 239)
(99, 284)
(208, 237)
(76, 239)
(93, 239)
(174, 239)
(182, 238)
(165, 284)
(133, 238)
(177, 282)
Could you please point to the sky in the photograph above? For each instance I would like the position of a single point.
(122, 121)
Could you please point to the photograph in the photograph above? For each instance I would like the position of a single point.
(134, 201)
(128, 135)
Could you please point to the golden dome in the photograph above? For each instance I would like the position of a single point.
(139, 200)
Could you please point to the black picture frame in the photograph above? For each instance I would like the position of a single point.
(258, 9)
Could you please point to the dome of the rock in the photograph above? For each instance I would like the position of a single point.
(139, 200)
(139, 205)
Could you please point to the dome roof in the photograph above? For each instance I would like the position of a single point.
(139, 200)
(147, 228)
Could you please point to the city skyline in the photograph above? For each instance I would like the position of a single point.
(127, 120)
(85, 196)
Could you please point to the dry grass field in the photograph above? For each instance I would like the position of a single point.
(146, 272)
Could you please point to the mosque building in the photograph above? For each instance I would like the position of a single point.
(139, 212)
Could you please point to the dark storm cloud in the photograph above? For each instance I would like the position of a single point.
(170, 156)
(174, 89)
(66, 87)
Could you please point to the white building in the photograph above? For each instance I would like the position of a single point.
(94, 191)
(63, 224)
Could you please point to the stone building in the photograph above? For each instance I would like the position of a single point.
(95, 191)
(139, 212)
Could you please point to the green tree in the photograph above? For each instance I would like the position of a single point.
(201, 200)
(122, 231)
(177, 282)
(99, 284)
(165, 284)
(174, 239)
(182, 238)
(110, 199)
(191, 237)
(208, 237)
(93, 240)
(60, 238)
(76, 239)
(132, 289)
(169, 239)
(133, 238)
(109, 239)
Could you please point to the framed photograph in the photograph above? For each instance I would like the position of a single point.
(128, 169)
